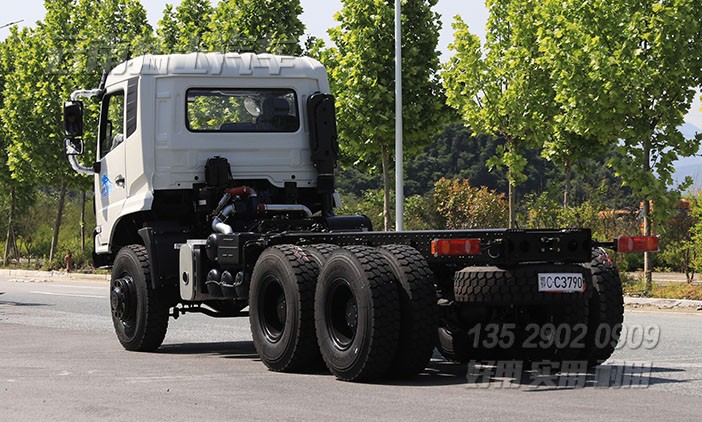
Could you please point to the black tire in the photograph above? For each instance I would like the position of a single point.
(606, 309)
(281, 308)
(418, 309)
(320, 252)
(511, 303)
(570, 326)
(516, 286)
(140, 317)
(357, 314)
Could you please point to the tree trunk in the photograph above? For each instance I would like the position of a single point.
(647, 255)
(386, 188)
(59, 216)
(647, 218)
(566, 183)
(10, 244)
(82, 222)
(510, 198)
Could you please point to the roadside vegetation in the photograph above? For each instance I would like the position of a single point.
(635, 285)
(563, 116)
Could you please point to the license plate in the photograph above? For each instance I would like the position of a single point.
(561, 283)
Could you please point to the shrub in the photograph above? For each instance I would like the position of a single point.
(466, 207)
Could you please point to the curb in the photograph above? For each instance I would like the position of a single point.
(683, 304)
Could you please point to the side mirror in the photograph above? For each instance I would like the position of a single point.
(74, 146)
(73, 120)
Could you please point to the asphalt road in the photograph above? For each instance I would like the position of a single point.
(59, 360)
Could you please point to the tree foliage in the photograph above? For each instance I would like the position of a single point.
(67, 51)
(182, 29)
(501, 88)
(259, 26)
(363, 80)
(625, 71)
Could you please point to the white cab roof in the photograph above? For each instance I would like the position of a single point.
(219, 65)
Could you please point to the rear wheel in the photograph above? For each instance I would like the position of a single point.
(501, 314)
(606, 309)
(357, 314)
(139, 316)
(418, 309)
(281, 301)
(320, 252)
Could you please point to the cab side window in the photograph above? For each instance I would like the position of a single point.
(112, 122)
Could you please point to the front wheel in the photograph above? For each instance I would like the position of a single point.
(139, 316)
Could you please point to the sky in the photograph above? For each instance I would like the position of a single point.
(318, 16)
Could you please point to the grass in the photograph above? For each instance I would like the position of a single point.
(636, 286)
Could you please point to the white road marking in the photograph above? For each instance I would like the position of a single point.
(69, 295)
(78, 287)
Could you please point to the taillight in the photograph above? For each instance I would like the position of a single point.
(455, 247)
(637, 244)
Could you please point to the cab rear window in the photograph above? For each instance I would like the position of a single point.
(242, 110)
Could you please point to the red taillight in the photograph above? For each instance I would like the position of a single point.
(637, 244)
(455, 247)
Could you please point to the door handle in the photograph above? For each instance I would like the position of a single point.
(119, 181)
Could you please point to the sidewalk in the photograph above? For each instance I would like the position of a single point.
(45, 276)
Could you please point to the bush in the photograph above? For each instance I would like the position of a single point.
(466, 207)
(453, 204)
(369, 204)
(420, 213)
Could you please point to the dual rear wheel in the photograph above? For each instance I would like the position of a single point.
(366, 312)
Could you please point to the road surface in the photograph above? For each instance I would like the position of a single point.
(59, 360)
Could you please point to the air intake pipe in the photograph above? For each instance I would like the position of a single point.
(225, 209)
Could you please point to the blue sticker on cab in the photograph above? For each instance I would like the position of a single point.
(105, 186)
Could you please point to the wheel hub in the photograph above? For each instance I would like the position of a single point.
(351, 314)
(281, 308)
(122, 299)
(273, 309)
(342, 312)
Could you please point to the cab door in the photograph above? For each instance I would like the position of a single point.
(111, 182)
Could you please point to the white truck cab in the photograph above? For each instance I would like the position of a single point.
(163, 117)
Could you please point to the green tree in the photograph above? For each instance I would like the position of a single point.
(33, 150)
(259, 26)
(182, 29)
(7, 188)
(624, 72)
(681, 249)
(362, 74)
(500, 88)
(69, 48)
(114, 31)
